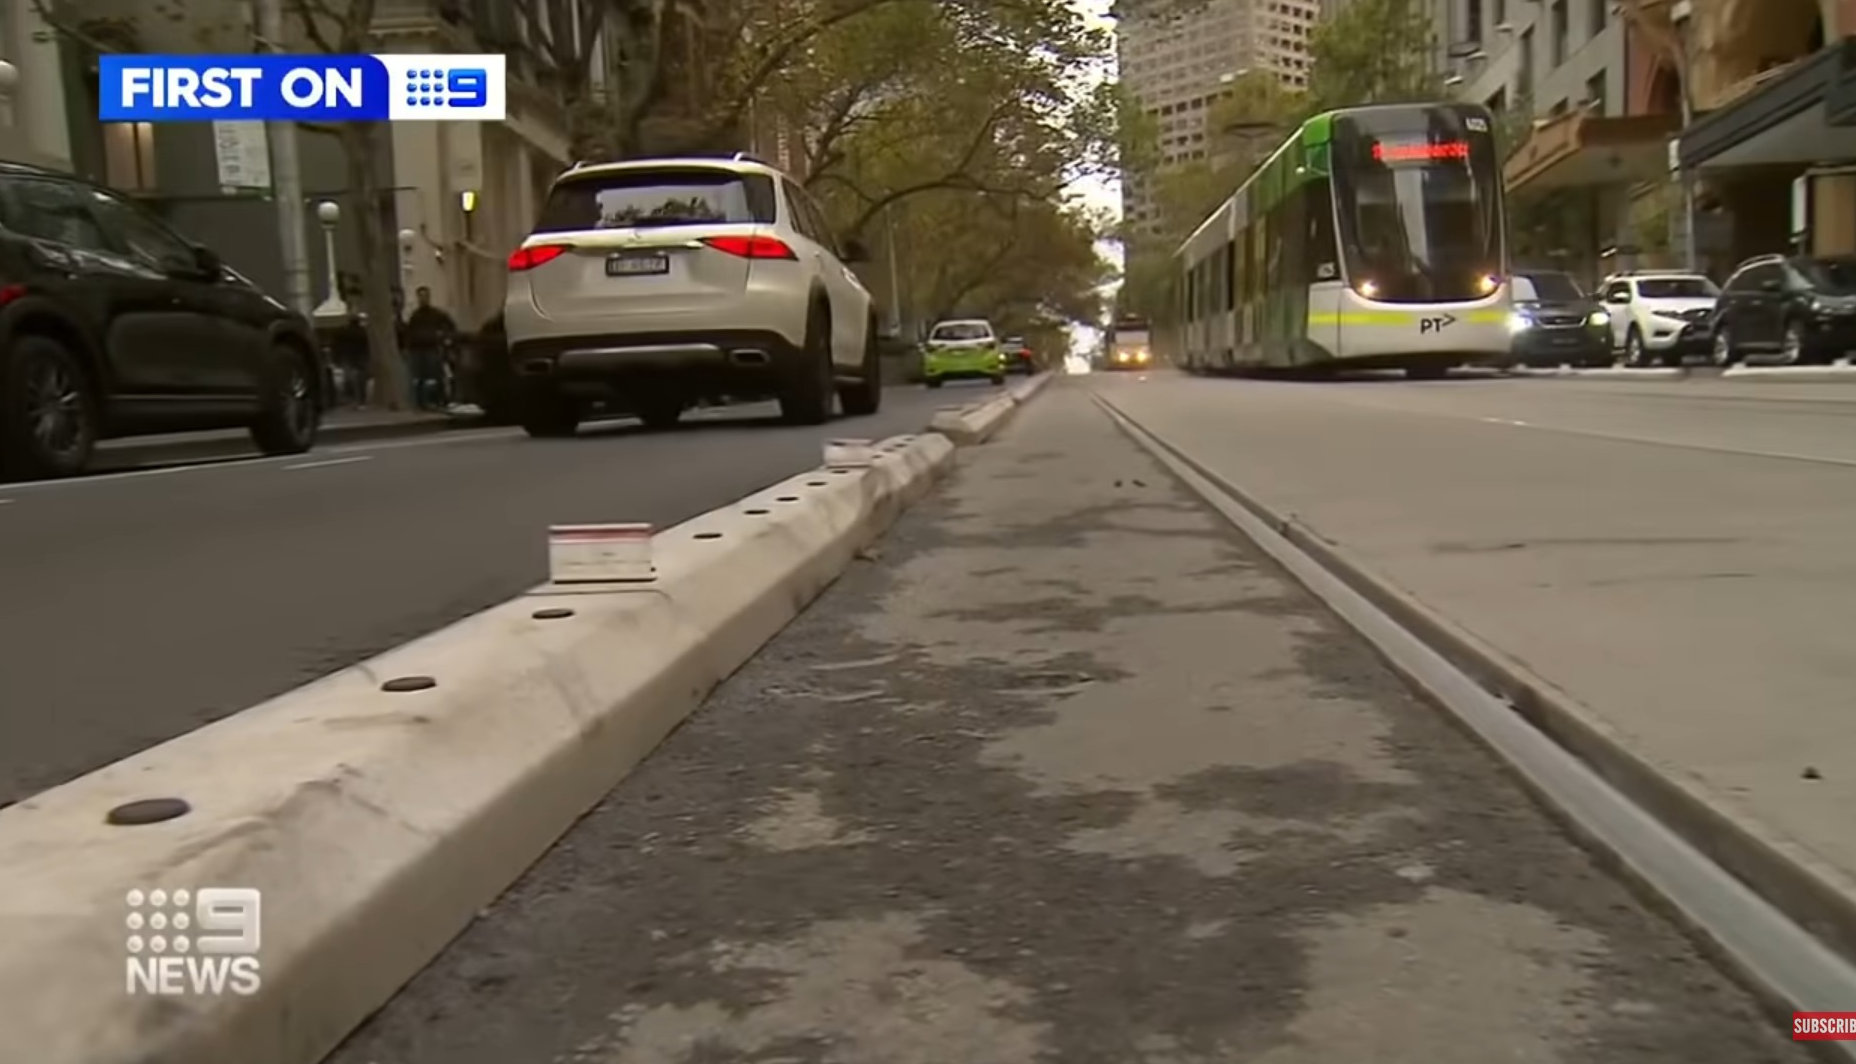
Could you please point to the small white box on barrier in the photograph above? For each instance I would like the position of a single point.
(600, 554)
(849, 454)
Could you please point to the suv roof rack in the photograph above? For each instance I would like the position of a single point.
(750, 157)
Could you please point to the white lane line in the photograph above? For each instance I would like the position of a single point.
(1681, 445)
(325, 463)
(4, 502)
(200, 465)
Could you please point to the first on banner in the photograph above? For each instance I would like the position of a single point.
(306, 88)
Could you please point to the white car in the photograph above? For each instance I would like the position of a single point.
(1660, 316)
(651, 284)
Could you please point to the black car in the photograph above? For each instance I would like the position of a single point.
(1802, 309)
(1018, 356)
(111, 324)
(1555, 323)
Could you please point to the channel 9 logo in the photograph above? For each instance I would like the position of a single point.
(202, 942)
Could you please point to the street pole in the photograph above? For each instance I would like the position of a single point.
(1691, 257)
(895, 284)
(286, 175)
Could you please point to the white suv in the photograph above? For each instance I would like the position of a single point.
(650, 284)
(1660, 316)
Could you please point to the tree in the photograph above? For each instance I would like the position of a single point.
(955, 128)
(1373, 51)
(345, 27)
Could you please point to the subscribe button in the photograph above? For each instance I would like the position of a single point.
(1824, 1026)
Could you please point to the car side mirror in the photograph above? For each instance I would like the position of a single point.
(856, 251)
(207, 260)
(1770, 286)
(1618, 298)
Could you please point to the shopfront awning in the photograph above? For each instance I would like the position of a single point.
(1579, 150)
(1802, 116)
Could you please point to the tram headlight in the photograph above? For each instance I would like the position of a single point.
(1488, 283)
(1519, 323)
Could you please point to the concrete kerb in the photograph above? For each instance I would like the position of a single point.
(977, 422)
(378, 824)
(1817, 899)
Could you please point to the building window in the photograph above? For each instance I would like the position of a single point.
(1500, 9)
(129, 156)
(1595, 92)
(1472, 22)
(1561, 29)
(1601, 14)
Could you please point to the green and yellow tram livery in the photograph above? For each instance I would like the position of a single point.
(1373, 238)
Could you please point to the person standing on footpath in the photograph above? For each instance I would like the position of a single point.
(428, 333)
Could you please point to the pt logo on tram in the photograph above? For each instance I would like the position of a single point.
(1436, 323)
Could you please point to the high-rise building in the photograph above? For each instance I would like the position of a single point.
(1176, 58)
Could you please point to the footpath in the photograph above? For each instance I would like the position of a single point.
(1063, 770)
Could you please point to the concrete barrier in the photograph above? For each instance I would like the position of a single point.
(379, 809)
(978, 422)
(1024, 391)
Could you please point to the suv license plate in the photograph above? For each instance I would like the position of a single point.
(637, 265)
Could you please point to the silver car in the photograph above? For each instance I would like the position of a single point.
(650, 285)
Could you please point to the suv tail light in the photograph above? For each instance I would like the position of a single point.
(752, 247)
(528, 258)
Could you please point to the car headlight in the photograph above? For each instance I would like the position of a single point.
(1598, 318)
(1669, 315)
(1519, 323)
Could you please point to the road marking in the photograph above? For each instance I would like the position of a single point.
(1712, 448)
(198, 465)
(330, 462)
(4, 502)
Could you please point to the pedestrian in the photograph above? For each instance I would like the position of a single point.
(428, 334)
(352, 352)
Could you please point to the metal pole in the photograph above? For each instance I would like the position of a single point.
(1691, 257)
(286, 175)
(895, 283)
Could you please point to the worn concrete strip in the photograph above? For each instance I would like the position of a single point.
(1611, 373)
(376, 824)
(1076, 775)
(1839, 373)
(1785, 932)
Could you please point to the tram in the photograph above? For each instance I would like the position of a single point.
(1372, 238)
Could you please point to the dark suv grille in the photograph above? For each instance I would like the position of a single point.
(1561, 321)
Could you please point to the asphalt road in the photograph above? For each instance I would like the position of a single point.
(1679, 557)
(139, 606)
(1068, 773)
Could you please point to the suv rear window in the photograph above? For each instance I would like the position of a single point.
(1677, 288)
(657, 199)
(960, 331)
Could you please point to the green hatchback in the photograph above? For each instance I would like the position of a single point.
(962, 350)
